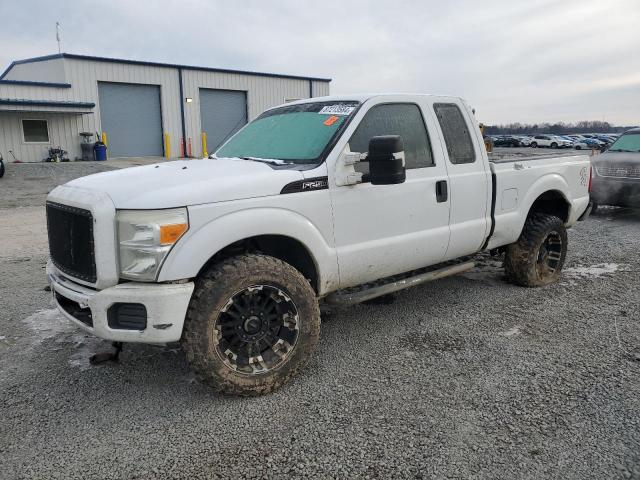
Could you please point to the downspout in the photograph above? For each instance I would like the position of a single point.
(310, 88)
(183, 145)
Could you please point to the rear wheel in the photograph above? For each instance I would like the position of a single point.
(537, 258)
(253, 322)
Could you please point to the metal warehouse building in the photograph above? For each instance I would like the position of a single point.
(144, 108)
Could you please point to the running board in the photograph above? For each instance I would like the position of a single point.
(344, 297)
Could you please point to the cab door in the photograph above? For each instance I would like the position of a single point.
(469, 177)
(383, 230)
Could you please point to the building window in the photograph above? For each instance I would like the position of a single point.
(35, 131)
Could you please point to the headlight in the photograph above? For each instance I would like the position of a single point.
(145, 238)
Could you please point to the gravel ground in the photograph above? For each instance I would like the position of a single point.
(467, 377)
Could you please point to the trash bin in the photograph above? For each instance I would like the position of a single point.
(100, 151)
(86, 146)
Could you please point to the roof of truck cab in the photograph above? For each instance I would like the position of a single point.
(363, 97)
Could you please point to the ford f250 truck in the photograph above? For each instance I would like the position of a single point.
(334, 199)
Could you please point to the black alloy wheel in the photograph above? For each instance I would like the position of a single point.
(257, 329)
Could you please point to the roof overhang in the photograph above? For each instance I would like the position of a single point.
(31, 83)
(54, 106)
(157, 64)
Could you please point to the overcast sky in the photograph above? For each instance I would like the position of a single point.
(527, 61)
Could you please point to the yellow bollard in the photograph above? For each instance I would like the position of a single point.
(205, 154)
(167, 146)
(104, 138)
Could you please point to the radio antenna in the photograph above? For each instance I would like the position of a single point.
(58, 35)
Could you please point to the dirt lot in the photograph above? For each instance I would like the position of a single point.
(468, 377)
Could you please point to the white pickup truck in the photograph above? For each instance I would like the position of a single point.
(334, 199)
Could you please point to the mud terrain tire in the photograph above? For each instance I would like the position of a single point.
(214, 292)
(536, 259)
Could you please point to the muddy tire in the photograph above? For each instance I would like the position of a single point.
(536, 259)
(252, 324)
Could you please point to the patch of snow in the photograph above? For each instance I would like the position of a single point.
(513, 331)
(84, 346)
(49, 324)
(597, 270)
(2, 337)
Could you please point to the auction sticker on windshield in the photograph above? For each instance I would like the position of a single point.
(337, 110)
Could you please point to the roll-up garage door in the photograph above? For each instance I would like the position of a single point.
(130, 115)
(222, 113)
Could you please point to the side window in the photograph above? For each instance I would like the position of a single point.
(35, 131)
(456, 133)
(404, 119)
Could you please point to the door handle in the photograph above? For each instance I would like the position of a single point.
(442, 192)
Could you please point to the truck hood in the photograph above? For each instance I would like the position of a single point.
(616, 158)
(190, 182)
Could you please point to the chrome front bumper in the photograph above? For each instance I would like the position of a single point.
(166, 306)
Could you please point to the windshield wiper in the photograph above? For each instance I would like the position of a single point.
(620, 150)
(270, 161)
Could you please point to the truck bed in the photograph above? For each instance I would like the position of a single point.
(519, 181)
(510, 157)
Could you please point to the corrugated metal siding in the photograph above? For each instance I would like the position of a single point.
(63, 131)
(262, 93)
(320, 89)
(83, 75)
(46, 71)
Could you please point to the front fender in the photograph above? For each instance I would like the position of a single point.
(206, 237)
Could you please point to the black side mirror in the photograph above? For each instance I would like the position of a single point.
(386, 160)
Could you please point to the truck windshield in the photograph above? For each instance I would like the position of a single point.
(629, 142)
(293, 133)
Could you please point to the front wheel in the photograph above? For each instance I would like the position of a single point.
(534, 145)
(536, 259)
(253, 322)
(554, 145)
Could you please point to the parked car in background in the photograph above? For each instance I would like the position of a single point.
(605, 139)
(616, 176)
(592, 142)
(551, 141)
(584, 143)
(524, 140)
(506, 141)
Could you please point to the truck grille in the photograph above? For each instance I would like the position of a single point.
(621, 171)
(71, 241)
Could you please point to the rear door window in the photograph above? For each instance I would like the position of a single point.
(456, 133)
